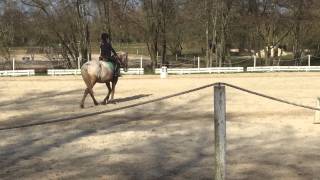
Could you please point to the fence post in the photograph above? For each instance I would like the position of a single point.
(309, 62)
(220, 132)
(141, 66)
(158, 58)
(13, 66)
(78, 62)
(254, 62)
(317, 115)
(198, 62)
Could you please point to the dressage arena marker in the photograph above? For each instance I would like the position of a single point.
(219, 118)
(164, 72)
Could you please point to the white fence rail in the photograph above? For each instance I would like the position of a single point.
(202, 70)
(282, 68)
(133, 71)
(56, 72)
(29, 72)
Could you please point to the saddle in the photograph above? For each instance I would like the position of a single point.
(114, 67)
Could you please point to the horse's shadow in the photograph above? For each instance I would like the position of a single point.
(131, 98)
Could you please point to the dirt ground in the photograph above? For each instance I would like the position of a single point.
(172, 139)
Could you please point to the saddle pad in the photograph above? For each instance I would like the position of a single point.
(108, 65)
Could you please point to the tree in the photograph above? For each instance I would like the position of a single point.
(71, 31)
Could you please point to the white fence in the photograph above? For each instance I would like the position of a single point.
(55, 72)
(282, 68)
(30, 72)
(133, 71)
(202, 70)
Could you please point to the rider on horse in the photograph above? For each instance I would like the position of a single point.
(105, 53)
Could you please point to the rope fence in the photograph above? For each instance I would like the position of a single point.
(75, 117)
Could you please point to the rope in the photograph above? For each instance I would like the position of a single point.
(270, 97)
(156, 100)
(105, 111)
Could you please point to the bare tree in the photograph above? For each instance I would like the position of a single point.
(70, 30)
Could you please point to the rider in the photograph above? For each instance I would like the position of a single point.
(105, 53)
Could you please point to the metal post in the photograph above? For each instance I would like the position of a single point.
(220, 132)
(198, 63)
(317, 115)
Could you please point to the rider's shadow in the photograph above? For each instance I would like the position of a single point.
(131, 98)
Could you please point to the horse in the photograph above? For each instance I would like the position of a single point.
(96, 71)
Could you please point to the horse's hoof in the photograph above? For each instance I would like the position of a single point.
(96, 104)
(103, 103)
(81, 106)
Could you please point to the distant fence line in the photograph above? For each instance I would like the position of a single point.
(181, 71)
(29, 72)
(56, 72)
(283, 68)
(201, 70)
(194, 70)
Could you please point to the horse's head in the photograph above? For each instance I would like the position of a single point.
(123, 59)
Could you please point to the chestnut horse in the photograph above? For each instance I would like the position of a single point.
(96, 71)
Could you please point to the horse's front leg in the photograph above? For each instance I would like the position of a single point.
(109, 92)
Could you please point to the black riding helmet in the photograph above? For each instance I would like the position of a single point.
(104, 37)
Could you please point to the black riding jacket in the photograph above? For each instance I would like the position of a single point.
(106, 50)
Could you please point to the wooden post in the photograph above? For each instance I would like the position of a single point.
(220, 132)
(317, 115)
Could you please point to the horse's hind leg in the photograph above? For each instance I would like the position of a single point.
(84, 97)
(92, 96)
(108, 95)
